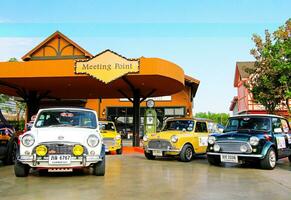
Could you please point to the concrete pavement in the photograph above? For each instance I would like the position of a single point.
(134, 177)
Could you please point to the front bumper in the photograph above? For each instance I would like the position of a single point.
(241, 157)
(43, 162)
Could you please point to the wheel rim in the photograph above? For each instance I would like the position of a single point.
(188, 153)
(272, 159)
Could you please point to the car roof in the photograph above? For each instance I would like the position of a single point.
(66, 108)
(257, 115)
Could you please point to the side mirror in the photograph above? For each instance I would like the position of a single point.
(278, 130)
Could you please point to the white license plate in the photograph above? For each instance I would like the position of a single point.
(59, 159)
(157, 153)
(232, 158)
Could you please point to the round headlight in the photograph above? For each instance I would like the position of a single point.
(145, 138)
(216, 147)
(174, 138)
(117, 137)
(93, 140)
(78, 150)
(27, 140)
(243, 148)
(41, 150)
(254, 141)
(211, 139)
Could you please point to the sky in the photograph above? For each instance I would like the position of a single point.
(205, 38)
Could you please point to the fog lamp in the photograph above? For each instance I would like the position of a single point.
(78, 150)
(243, 148)
(41, 150)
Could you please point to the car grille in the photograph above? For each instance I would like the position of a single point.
(108, 142)
(61, 148)
(159, 144)
(233, 146)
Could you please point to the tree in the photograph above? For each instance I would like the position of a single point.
(270, 79)
(220, 118)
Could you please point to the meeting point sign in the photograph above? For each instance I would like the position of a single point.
(107, 66)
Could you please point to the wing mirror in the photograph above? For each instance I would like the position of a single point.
(278, 130)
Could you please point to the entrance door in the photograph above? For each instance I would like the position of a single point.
(202, 133)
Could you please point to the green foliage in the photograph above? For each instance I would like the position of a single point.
(216, 117)
(270, 79)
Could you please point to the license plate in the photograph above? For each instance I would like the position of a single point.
(229, 158)
(157, 153)
(59, 159)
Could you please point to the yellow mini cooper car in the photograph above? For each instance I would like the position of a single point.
(111, 138)
(182, 137)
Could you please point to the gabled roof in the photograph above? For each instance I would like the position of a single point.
(56, 46)
(240, 71)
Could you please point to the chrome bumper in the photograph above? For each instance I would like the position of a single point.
(82, 161)
(166, 150)
(239, 155)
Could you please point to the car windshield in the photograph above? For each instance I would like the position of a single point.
(64, 118)
(106, 126)
(180, 125)
(248, 123)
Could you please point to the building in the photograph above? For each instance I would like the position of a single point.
(243, 103)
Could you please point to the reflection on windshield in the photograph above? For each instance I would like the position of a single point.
(248, 123)
(106, 126)
(180, 125)
(66, 118)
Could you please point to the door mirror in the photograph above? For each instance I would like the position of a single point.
(278, 130)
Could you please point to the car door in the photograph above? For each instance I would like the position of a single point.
(287, 134)
(280, 138)
(202, 136)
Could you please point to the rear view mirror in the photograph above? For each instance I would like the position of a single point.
(278, 130)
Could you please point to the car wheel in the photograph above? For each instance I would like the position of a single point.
(186, 154)
(269, 162)
(21, 170)
(119, 151)
(213, 160)
(99, 168)
(11, 154)
(149, 156)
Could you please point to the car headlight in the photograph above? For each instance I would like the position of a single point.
(216, 147)
(27, 140)
(254, 141)
(211, 140)
(93, 140)
(117, 137)
(243, 148)
(78, 150)
(174, 138)
(145, 138)
(41, 150)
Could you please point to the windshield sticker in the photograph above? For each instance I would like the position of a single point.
(246, 119)
(281, 142)
(67, 114)
(203, 141)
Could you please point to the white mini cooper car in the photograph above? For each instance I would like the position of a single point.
(62, 139)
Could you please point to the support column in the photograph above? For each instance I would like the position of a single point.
(136, 117)
(32, 102)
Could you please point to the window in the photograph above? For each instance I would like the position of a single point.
(201, 127)
(285, 126)
(276, 123)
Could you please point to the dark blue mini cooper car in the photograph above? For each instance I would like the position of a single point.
(251, 138)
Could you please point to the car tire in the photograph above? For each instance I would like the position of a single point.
(21, 170)
(269, 162)
(213, 160)
(11, 154)
(186, 153)
(99, 168)
(149, 156)
(119, 151)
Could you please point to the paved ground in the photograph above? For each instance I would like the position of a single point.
(134, 177)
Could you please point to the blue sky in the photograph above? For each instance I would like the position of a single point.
(205, 38)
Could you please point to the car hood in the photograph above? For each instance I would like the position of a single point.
(165, 135)
(236, 135)
(63, 134)
(108, 134)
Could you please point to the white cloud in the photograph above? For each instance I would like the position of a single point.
(16, 46)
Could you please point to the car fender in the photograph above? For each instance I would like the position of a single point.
(266, 147)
